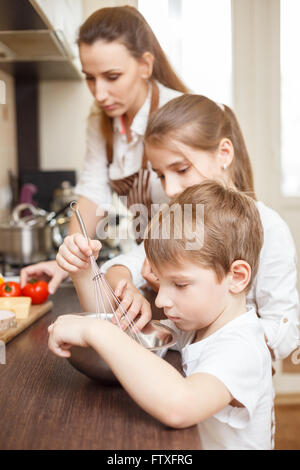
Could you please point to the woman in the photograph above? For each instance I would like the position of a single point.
(129, 76)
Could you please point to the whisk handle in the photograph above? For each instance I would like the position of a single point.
(80, 221)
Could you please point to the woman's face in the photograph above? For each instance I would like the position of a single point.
(181, 168)
(114, 77)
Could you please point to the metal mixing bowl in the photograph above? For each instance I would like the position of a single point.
(155, 336)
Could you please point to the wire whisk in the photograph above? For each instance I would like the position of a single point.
(105, 298)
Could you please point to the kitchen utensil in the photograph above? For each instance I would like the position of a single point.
(27, 192)
(155, 336)
(28, 239)
(62, 196)
(53, 215)
(106, 300)
(152, 337)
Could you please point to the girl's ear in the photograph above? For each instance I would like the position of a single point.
(240, 275)
(146, 65)
(225, 153)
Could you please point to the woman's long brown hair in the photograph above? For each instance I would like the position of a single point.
(199, 122)
(128, 26)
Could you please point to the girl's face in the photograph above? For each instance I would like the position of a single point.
(115, 78)
(181, 168)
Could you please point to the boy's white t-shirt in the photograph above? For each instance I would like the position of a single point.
(238, 356)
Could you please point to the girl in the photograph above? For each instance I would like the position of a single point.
(129, 76)
(188, 140)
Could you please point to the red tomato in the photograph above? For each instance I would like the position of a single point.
(37, 290)
(10, 289)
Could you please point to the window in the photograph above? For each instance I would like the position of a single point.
(196, 36)
(290, 96)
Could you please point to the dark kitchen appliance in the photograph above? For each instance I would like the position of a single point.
(46, 182)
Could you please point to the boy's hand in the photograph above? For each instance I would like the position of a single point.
(73, 255)
(68, 331)
(134, 303)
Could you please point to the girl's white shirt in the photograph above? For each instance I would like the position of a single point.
(127, 156)
(274, 292)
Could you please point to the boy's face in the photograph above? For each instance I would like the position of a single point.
(190, 295)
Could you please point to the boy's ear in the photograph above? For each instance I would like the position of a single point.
(240, 272)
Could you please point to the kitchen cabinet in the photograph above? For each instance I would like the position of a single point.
(37, 38)
(64, 16)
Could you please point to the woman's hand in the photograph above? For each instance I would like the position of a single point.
(47, 270)
(73, 255)
(68, 331)
(148, 275)
(134, 303)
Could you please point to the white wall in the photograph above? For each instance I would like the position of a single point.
(256, 95)
(89, 6)
(63, 109)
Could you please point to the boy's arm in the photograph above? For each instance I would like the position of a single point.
(84, 285)
(154, 384)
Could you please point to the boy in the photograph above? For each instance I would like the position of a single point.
(228, 383)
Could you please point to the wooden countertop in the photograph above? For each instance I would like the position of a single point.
(46, 404)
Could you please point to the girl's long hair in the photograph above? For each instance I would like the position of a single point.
(199, 122)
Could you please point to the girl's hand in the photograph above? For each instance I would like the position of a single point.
(46, 270)
(148, 275)
(68, 331)
(73, 255)
(134, 303)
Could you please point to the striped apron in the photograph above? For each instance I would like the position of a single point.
(136, 187)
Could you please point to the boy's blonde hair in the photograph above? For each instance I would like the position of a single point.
(232, 230)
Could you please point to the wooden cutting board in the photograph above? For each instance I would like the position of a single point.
(36, 311)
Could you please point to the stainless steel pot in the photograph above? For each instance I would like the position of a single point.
(27, 239)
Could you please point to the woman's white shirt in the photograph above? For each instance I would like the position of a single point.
(274, 291)
(127, 156)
